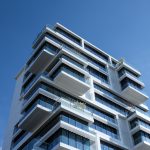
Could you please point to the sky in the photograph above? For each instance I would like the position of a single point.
(119, 27)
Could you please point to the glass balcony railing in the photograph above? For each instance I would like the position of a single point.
(121, 73)
(42, 103)
(60, 136)
(19, 138)
(76, 63)
(141, 136)
(50, 48)
(80, 107)
(70, 71)
(24, 90)
(126, 84)
(66, 100)
(136, 122)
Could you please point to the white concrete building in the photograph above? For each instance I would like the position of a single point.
(73, 96)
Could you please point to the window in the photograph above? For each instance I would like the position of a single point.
(42, 100)
(68, 35)
(49, 47)
(137, 121)
(79, 142)
(72, 61)
(75, 140)
(128, 82)
(19, 137)
(72, 139)
(77, 122)
(102, 114)
(99, 126)
(70, 71)
(110, 104)
(96, 52)
(98, 75)
(124, 70)
(72, 121)
(65, 137)
(111, 94)
(107, 146)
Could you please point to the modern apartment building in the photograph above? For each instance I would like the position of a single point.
(71, 95)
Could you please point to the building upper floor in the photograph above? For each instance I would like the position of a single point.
(57, 50)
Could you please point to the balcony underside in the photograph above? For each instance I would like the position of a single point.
(67, 82)
(134, 96)
(142, 146)
(35, 118)
(41, 61)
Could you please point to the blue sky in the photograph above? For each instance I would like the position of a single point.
(119, 27)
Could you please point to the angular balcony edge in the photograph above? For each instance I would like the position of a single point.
(144, 145)
(141, 115)
(122, 64)
(31, 121)
(133, 95)
(140, 127)
(135, 79)
(45, 57)
(70, 83)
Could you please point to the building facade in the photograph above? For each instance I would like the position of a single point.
(72, 95)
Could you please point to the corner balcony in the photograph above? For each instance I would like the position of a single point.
(132, 91)
(144, 145)
(123, 65)
(141, 141)
(35, 115)
(70, 79)
(127, 74)
(41, 58)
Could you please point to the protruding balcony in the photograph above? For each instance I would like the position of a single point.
(144, 145)
(78, 109)
(67, 103)
(132, 91)
(35, 115)
(122, 65)
(141, 141)
(41, 57)
(70, 79)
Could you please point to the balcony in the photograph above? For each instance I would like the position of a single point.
(141, 141)
(142, 146)
(41, 58)
(132, 91)
(30, 84)
(35, 115)
(70, 79)
(78, 109)
(122, 65)
(67, 102)
(127, 74)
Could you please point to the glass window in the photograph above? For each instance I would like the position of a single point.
(99, 126)
(98, 75)
(79, 142)
(68, 35)
(64, 136)
(86, 144)
(72, 121)
(96, 52)
(65, 118)
(107, 146)
(72, 139)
